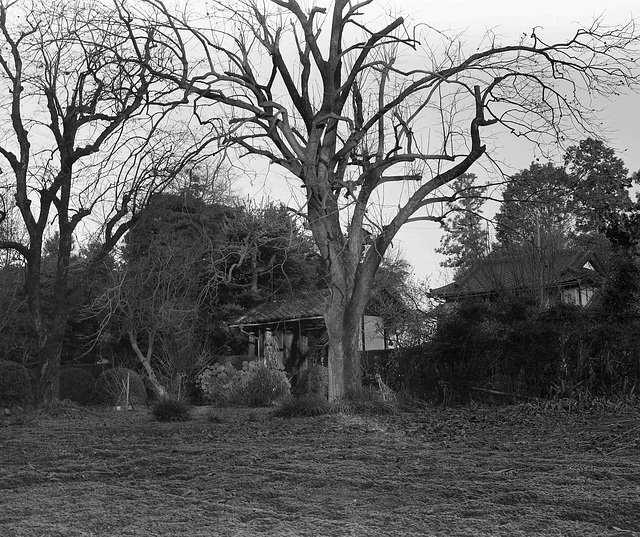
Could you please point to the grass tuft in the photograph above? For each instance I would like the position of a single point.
(310, 404)
(369, 402)
(171, 410)
(64, 409)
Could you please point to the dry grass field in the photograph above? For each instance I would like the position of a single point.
(475, 471)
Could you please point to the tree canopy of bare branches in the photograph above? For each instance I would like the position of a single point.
(360, 110)
(86, 137)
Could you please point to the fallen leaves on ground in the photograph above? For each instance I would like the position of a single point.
(462, 471)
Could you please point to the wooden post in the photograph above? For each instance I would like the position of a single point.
(126, 396)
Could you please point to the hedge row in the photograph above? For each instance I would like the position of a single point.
(76, 384)
(519, 350)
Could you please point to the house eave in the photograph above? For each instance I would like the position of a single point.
(275, 321)
(477, 294)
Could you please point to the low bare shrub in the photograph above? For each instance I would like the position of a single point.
(110, 387)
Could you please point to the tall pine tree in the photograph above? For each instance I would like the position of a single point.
(464, 239)
(537, 208)
(552, 206)
(599, 183)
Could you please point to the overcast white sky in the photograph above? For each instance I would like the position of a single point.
(557, 19)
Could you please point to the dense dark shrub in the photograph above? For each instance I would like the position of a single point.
(403, 370)
(95, 370)
(15, 384)
(516, 349)
(168, 409)
(464, 350)
(76, 384)
(109, 388)
(313, 380)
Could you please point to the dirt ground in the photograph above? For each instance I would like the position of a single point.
(480, 471)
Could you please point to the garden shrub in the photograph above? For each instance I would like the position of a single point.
(219, 384)
(464, 351)
(109, 387)
(313, 380)
(236, 360)
(372, 401)
(76, 385)
(254, 385)
(408, 370)
(15, 384)
(261, 385)
(170, 409)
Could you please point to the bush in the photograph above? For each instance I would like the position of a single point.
(310, 404)
(517, 349)
(168, 409)
(109, 388)
(372, 401)
(255, 385)
(262, 385)
(314, 380)
(76, 385)
(15, 384)
(219, 383)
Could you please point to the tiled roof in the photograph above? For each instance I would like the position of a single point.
(309, 306)
(498, 273)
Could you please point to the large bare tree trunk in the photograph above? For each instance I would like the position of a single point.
(48, 386)
(335, 331)
(49, 324)
(343, 320)
(345, 374)
(352, 366)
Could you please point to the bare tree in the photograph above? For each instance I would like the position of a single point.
(185, 262)
(84, 142)
(358, 111)
(155, 302)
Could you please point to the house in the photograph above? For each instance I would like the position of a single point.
(293, 329)
(561, 276)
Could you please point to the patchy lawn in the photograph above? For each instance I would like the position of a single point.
(501, 471)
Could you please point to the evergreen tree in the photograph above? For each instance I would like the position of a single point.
(552, 206)
(464, 239)
(537, 208)
(599, 184)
